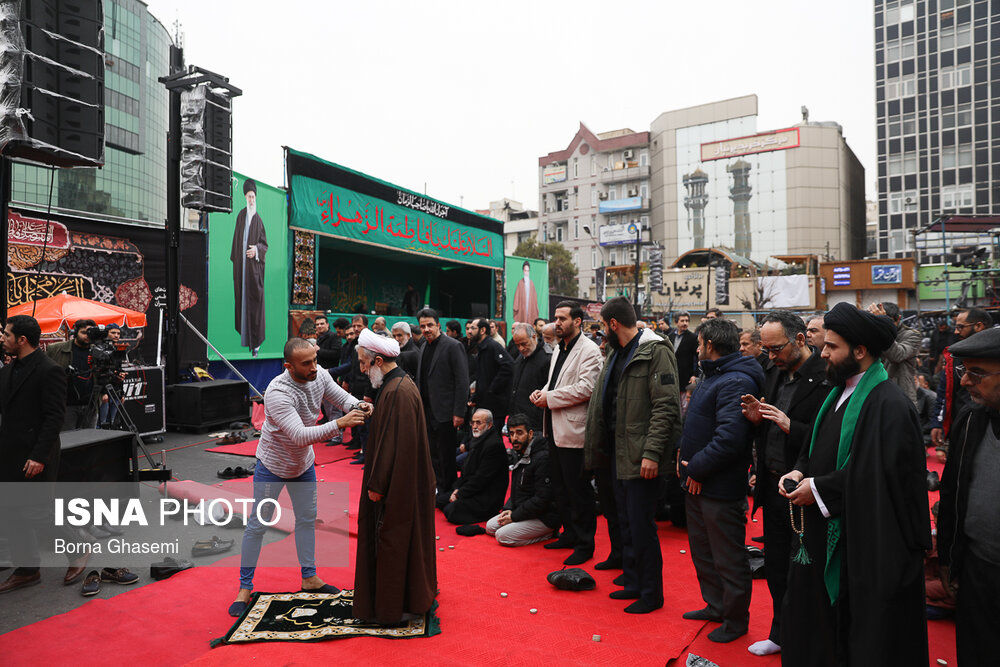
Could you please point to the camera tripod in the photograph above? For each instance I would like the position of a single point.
(158, 472)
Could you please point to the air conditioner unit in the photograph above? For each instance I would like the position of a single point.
(908, 200)
(633, 193)
(548, 209)
(629, 154)
(602, 195)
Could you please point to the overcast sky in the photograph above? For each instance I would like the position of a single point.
(465, 96)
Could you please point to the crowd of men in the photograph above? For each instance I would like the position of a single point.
(823, 422)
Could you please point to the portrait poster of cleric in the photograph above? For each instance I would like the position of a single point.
(249, 255)
(525, 297)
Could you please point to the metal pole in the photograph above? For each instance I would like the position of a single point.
(173, 229)
(224, 360)
(944, 257)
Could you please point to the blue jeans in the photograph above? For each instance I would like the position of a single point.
(268, 485)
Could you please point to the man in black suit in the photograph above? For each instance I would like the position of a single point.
(531, 372)
(795, 387)
(685, 349)
(32, 409)
(494, 367)
(409, 354)
(444, 389)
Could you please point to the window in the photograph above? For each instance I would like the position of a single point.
(593, 196)
(593, 166)
(614, 258)
(900, 202)
(903, 125)
(899, 49)
(644, 221)
(644, 190)
(612, 193)
(955, 77)
(593, 259)
(903, 163)
(643, 159)
(959, 115)
(901, 86)
(560, 233)
(956, 156)
(576, 167)
(955, 36)
(957, 196)
(576, 259)
(951, 4)
(576, 228)
(898, 13)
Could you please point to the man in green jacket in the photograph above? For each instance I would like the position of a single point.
(633, 423)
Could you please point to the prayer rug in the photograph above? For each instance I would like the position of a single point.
(311, 617)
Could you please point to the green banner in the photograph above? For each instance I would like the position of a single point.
(527, 290)
(248, 274)
(934, 279)
(411, 223)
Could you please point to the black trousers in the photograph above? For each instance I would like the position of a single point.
(443, 441)
(778, 538)
(574, 497)
(977, 615)
(642, 558)
(609, 506)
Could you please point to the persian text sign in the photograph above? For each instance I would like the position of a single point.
(408, 224)
(758, 143)
(685, 287)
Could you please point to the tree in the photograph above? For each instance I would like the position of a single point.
(562, 271)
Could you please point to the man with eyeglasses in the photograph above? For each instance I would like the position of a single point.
(479, 493)
(952, 398)
(794, 388)
(968, 522)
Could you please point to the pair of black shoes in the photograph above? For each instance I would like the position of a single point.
(722, 634)
(359, 458)
(640, 606)
(578, 557)
(92, 583)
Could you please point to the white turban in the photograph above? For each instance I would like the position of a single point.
(387, 347)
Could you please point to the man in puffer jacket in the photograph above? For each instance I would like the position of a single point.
(715, 454)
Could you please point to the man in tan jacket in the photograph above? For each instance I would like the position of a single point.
(573, 371)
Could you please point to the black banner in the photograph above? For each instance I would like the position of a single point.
(124, 265)
(722, 285)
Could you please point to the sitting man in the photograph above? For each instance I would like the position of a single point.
(530, 515)
(478, 494)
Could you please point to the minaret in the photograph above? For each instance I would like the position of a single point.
(695, 202)
(740, 193)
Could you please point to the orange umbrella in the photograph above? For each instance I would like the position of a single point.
(54, 311)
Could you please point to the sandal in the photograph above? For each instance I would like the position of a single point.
(211, 547)
(228, 473)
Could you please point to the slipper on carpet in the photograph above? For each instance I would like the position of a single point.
(470, 529)
(325, 588)
(227, 473)
(237, 608)
(211, 547)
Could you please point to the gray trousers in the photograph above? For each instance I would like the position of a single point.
(717, 534)
(518, 533)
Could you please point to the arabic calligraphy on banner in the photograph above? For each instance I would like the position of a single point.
(409, 224)
(758, 143)
(25, 287)
(684, 287)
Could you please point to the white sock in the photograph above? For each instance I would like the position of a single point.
(764, 647)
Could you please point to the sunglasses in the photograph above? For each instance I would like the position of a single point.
(774, 350)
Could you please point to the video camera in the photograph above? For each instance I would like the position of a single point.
(105, 357)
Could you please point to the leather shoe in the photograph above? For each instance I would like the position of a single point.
(16, 581)
(705, 614)
(92, 584)
(642, 607)
(614, 562)
(76, 570)
(578, 557)
(619, 580)
(624, 594)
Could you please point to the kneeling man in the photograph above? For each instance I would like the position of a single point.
(479, 492)
(530, 515)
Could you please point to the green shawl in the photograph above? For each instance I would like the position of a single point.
(875, 375)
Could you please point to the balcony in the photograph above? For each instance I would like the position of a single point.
(630, 173)
(613, 206)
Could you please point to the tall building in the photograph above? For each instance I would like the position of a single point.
(131, 187)
(938, 146)
(719, 182)
(596, 187)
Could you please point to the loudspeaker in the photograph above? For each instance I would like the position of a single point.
(53, 91)
(203, 405)
(206, 150)
(92, 455)
(323, 297)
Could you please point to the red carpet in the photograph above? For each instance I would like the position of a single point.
(171, 622)
(323, 453)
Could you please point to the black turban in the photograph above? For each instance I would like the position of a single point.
(859, 327)
(249, 185)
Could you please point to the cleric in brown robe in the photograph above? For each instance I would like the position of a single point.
(525, 298)
(395, 575)
(248, 256)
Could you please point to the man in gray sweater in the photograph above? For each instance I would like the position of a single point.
(292, 405)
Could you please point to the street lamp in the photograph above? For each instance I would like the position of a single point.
(597, 243)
